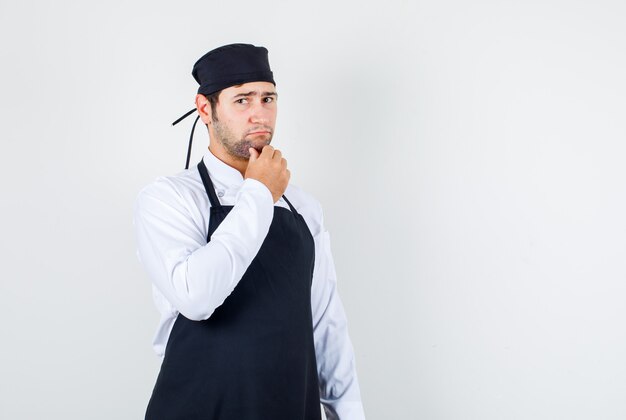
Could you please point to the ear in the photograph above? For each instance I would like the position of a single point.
(204, 108)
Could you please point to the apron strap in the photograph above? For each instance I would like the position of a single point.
(208, 185)
(210, 189)
(293, 209)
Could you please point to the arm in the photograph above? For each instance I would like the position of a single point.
(339, 387)
(194, 276)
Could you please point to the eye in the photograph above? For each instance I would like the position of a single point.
(268, 99)
(242, 101)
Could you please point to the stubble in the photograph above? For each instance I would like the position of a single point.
(238, 148)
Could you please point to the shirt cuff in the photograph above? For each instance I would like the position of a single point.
(257, 188)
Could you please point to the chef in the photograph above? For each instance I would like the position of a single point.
(252, 326)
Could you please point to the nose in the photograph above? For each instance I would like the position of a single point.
(260, 114)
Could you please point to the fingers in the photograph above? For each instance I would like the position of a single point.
(267, 152)
(254, 154)
(270, 168)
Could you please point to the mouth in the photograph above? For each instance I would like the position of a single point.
(260, 130)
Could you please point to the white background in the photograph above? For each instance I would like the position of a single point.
(469, 157)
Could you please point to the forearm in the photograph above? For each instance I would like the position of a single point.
(195, 276)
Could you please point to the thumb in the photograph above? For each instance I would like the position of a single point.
(253, 155)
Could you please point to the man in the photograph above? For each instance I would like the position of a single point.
(251, 324)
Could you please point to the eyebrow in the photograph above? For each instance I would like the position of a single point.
(254, 93)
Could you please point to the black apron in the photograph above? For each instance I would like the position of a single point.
(254, 357)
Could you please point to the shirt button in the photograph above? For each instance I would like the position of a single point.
(220, 193)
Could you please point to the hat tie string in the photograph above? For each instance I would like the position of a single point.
(193, 128)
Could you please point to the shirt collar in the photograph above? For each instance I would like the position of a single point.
(222, 172)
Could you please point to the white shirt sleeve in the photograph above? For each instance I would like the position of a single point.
(195, 276)
(339, 388)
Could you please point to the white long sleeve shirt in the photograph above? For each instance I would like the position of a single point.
(193, 277)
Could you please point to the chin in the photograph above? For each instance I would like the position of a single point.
(260, 144)
(240, 150)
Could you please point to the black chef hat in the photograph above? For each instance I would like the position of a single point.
(232, 65)
(227, 66)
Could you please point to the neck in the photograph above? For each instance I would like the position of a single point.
(219, 152)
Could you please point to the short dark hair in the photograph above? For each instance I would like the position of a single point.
(213, 100)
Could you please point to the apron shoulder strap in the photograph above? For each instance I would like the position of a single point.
(210, 189)
(208, 185)
(293, 209)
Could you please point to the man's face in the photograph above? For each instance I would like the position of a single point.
(246, 116)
